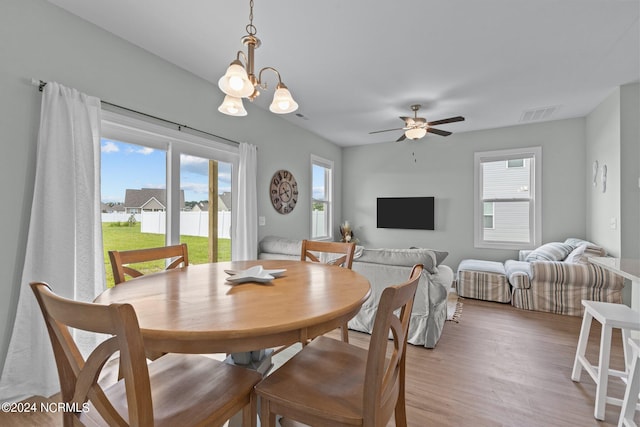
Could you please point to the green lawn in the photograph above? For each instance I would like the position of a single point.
(122, 236)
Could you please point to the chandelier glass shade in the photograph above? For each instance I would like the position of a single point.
(240, 80)
(236, 81)
(282, 103)
(232, 106)
(415, 133)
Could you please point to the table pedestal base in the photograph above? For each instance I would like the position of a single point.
(259, 361)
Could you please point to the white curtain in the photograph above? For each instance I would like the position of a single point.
(64, 246)
(244, 244)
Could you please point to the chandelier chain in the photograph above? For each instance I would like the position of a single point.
(251, 29)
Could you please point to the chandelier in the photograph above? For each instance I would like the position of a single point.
(240, 80)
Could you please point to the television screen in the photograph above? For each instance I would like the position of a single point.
(415, 213)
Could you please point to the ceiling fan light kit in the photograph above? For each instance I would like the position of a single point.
(240, 80)
(417, 127)
(415, 133)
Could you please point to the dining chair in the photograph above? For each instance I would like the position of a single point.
(177, 254)
(176, 389)
(330, 382)
(312, 250)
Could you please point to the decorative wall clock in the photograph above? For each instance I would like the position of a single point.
(283, 191)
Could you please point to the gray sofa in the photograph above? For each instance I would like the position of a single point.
(384, 267)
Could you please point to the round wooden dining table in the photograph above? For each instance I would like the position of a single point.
(196, 310)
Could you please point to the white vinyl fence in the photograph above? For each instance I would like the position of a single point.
(191, 223)
(318, 224)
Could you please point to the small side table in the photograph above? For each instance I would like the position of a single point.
(629, 268)
(611, 316)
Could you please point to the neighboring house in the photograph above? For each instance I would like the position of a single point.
(503, 182)
(200, 207)
(148, 199)
(224, 201)
(224, 204)
(111, 208)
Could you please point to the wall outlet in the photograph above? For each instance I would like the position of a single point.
(262, 220)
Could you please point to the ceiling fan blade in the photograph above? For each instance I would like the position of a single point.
(439, 132)
(386, 130)
(449, 120)
(402, 138)
(405, 118)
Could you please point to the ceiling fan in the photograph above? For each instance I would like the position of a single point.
(417, 127)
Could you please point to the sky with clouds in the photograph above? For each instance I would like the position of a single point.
(132, 166)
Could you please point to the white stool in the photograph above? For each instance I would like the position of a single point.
(611, 316)
(629, 403)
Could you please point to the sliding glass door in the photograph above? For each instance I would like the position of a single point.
(162, 187)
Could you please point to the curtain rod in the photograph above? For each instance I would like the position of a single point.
(41, 84)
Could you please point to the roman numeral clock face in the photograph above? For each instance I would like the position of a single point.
(283, 191)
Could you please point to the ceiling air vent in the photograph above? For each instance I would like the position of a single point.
(544, 113)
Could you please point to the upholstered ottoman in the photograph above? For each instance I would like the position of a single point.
(485, 280)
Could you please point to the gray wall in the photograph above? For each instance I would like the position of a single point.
(613, 138)
(39, 40)
(603, 146)
(630, 170)
(443, 167)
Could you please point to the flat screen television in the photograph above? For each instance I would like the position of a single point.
(414, 213)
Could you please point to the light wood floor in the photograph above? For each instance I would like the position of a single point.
(499, 366)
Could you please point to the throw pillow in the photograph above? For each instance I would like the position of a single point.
(554, 251)
(280, 245)
(577, 256)
(591, 250)
(440, 255)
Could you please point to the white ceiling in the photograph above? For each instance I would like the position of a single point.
(354, 66)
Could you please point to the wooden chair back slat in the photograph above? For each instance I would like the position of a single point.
(178, 254)
(310, 249)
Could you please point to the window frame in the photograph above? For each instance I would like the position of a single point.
(534, 199)
(174, 142)
(328, 201)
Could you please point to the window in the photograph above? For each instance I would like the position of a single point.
(322, 194)
(160, 186)
(507, 208)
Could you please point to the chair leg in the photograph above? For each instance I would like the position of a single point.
(631, 394)
(401, 409)
(603, 372)
(401, 412)
(267, 418)
(344, 331)
(628, 352)
(250, 413)
(582, 346)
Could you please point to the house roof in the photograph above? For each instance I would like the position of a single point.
(224, 203)
(135, 198)
(225, 199)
